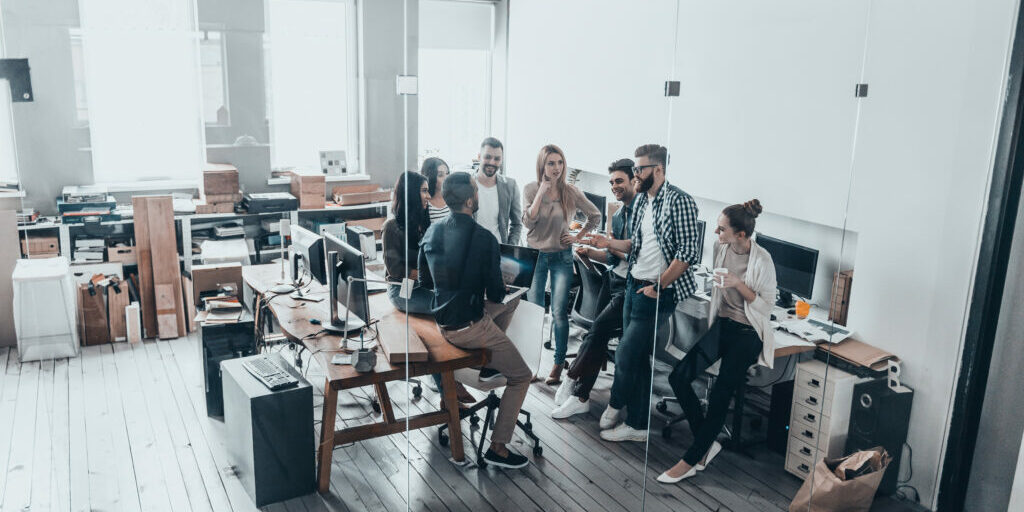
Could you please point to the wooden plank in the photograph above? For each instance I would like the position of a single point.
(17, 490)
(395, 335)
(9, 383)
(166, 270)
(103, 483)
(149, 457)
(116, 303)
(147, 300)
(60, 438)
(78, 444)
(163, 359)
(185, 483)
(8, 259)
(128, 479)
(40, 467)
(190, 305)
(133, 322)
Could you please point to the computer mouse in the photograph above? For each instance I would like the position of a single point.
(314, 321)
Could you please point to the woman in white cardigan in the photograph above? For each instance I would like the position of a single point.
(739, 334)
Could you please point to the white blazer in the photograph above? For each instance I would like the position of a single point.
(760, 277)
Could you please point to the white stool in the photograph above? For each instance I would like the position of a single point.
(44, 309)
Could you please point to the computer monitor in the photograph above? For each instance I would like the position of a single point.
(601, 202)
(346, 273)
(308, 253)
(518, 265)
(795, 266)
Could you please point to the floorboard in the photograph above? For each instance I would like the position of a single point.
(124, 427)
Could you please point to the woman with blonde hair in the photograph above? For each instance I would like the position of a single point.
(551, 205)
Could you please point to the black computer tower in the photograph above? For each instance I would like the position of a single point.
(270, 442)
(778, 417)
(880, 416)
(220, 343)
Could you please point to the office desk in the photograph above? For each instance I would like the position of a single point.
(293, 317)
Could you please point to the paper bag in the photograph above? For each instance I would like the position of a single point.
(825, 491)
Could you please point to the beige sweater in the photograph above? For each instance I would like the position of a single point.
(544, 232)
(760, 277)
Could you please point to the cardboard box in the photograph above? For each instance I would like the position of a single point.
(206, 208)
(215, 276)
(376, 224)
(220, 179)
(310, 190)
(348, 195)
(223, 198)
(124, 255)
(92, 321)
(40, 246)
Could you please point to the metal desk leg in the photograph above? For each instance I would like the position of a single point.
(327, 438)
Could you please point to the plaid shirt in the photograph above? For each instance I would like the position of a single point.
(675, 223)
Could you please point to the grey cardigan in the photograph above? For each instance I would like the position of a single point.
(510, 210)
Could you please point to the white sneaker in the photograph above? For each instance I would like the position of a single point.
(624, 432)
(564, 390)
(610, 418)
(665, 479)
(570, 407)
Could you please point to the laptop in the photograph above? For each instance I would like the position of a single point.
(517, 267)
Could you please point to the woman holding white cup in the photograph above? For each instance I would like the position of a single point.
(740, 334)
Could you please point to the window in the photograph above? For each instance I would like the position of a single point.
(140, 62)
(215, 91)
(454, 79)
(312, 90)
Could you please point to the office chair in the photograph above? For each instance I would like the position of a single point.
(523, 331)
(593, 295)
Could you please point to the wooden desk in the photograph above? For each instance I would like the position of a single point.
(293, 317)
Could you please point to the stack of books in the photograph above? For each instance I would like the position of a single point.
(222, 309)
(89, 250)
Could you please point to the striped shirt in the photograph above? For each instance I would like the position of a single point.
(675, 222)
(436, 214)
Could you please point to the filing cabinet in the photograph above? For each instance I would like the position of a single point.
(820, 416)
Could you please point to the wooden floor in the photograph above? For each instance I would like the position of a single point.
(123, 427)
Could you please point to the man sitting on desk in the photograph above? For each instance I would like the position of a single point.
(460, 260)
(573, 395)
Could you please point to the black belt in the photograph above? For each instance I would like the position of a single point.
(640, 283)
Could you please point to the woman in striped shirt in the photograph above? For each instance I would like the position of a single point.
(435, 170)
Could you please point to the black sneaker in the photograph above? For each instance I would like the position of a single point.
(487, 374)
(513, 461)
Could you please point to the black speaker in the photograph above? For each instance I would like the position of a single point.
(778, 417)
(880, 416)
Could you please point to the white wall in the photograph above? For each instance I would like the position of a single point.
(937, 71)
(586, 75)
(767, 110)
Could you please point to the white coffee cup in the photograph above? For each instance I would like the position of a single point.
(719, 276)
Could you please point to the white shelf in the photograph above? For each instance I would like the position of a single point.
(285, 180)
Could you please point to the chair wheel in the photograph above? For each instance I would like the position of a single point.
(482, 463)
(538, 451)
(528, 425)
(547, 345)
(376, 407)
(474, 420)
(442, 438)
(417, 391)
(666, 432)
(661, 406)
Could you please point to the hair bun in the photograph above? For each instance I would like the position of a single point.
(753, 207)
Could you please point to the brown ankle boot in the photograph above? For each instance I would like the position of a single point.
(556, 375)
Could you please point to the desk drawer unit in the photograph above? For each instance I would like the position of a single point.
(820, 415)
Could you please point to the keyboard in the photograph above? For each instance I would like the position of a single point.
(270, 373)
(828, 328)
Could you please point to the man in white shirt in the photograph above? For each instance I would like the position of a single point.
(501, 207)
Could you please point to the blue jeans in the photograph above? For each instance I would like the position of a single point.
(418, 303)
(559, 264)
(641, 316)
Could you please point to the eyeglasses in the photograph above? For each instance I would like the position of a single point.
(639, 169)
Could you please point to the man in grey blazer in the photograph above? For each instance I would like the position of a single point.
(501, 206)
